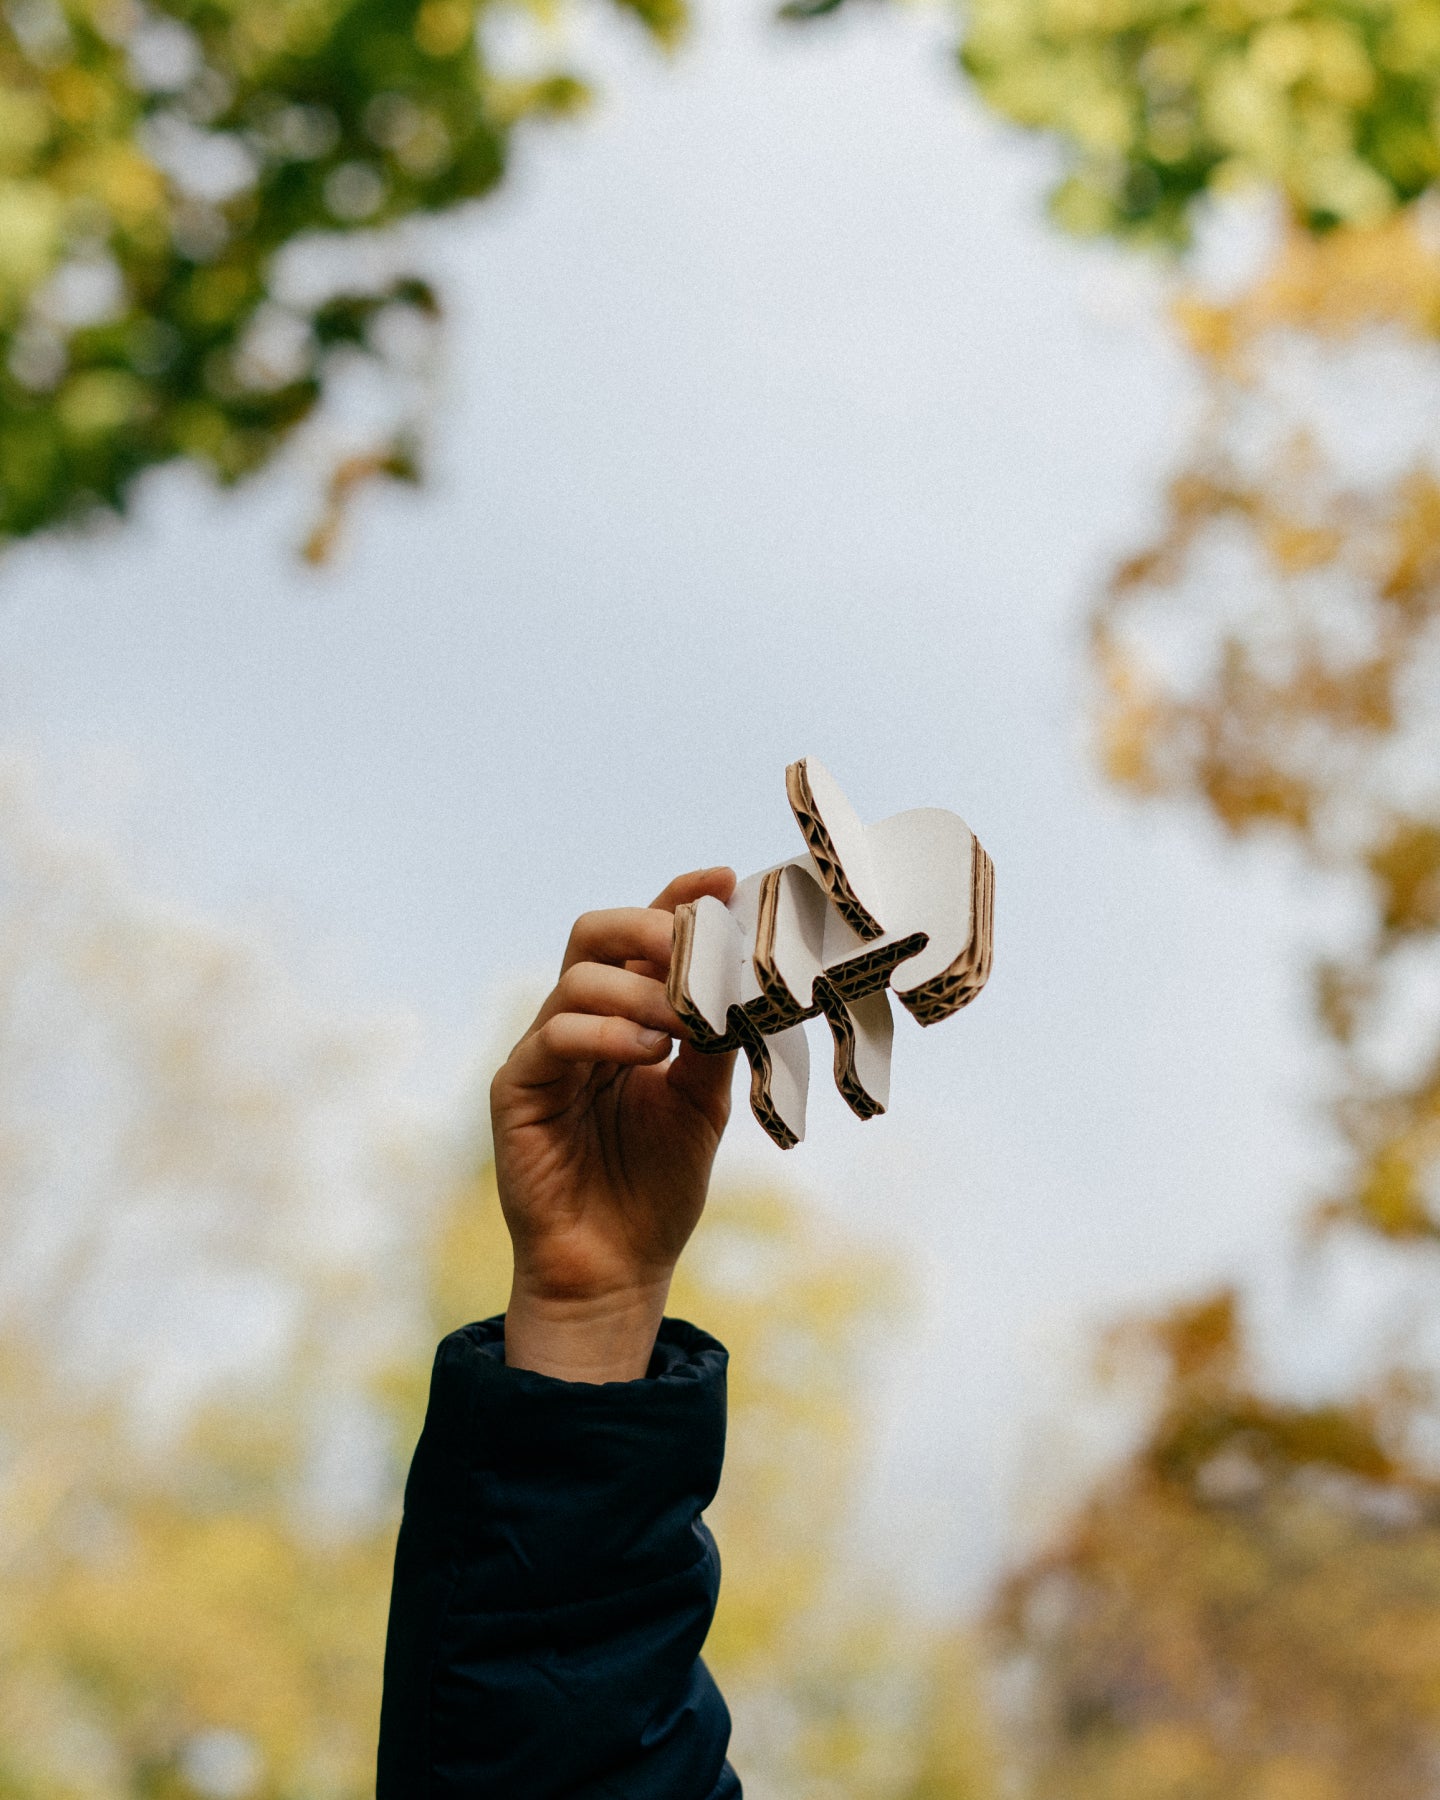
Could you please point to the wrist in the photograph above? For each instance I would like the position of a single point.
(592, 1338)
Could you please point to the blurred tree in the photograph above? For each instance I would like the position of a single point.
(164, 168)
(200, 1182)
(1250, 1606)
(1272, 654)
(1334, 104)
(1249, 1609)
(228, 1255)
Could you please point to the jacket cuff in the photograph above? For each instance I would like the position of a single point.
(572, 1491)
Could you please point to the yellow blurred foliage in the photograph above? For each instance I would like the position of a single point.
(1158, 106)
(1248, 1609)
(1333, 286)
(194, 1579)
(1306, 607)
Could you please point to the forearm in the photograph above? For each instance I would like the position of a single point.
(554, 1584)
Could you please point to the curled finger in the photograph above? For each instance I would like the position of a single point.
(620, 935)
(590, 987)
(719, 881)
(565, 1040)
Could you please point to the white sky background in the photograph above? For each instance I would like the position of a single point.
(775, 420)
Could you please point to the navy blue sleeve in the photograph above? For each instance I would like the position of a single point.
(554, 1584)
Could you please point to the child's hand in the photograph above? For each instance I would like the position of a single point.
(603, 1146)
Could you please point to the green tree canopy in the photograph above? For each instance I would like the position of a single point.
(157, 159)
(1335, 103)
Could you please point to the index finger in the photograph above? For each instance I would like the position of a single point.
(719, 881)
(619, 935)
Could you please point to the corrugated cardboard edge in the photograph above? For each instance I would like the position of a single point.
(822, 851)
(776, 1009)
(677, 988)
(944, 994)
(744, 1032)
(842, 1028)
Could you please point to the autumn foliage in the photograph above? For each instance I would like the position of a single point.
(193, 1572)
(1248, 1610)
(1300, 699)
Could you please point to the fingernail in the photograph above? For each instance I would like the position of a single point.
(652, 1040)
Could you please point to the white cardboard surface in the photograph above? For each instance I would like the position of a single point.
(906, 904)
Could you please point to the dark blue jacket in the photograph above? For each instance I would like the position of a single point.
(554, 1584)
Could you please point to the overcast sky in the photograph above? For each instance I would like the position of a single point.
(775, 420)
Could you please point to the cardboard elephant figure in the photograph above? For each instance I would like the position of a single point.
(905, 904)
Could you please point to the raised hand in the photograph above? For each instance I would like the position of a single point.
(603, 1146)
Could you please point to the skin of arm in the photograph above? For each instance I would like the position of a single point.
(603, 1146)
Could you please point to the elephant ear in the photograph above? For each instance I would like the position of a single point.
(837, 843)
